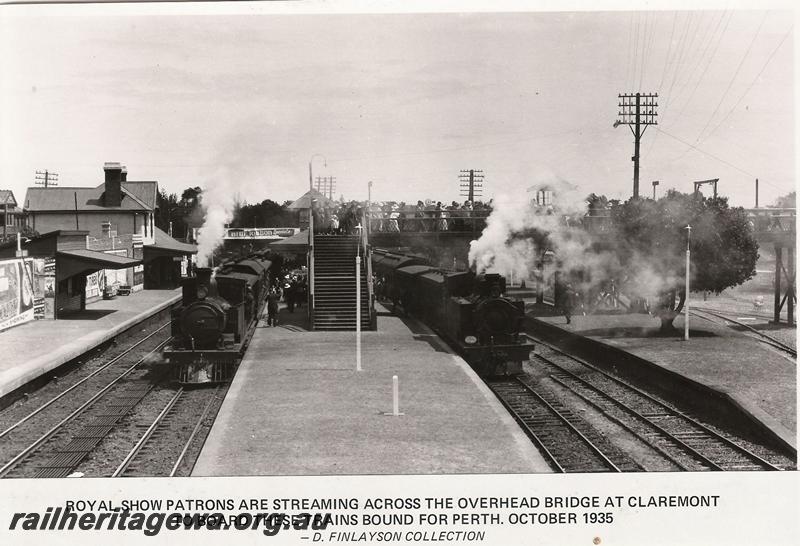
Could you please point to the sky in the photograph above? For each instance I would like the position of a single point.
(246, 97)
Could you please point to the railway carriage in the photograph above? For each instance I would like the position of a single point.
(467, 310)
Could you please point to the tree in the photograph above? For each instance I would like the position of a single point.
(268, 213)
(650, 244)
(788, 201)
(167, 209)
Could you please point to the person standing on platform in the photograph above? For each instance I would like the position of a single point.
(272, 307)
(335, 223)
(567, 301)
(289, 294)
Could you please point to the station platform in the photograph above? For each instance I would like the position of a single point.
(33, 349)
(297, 406)
(717, 365)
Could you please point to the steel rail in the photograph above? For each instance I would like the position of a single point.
(531, 434)
(147, 434)
(588, 442)
(671, 437)
(741, 449)
(97, 371)
(44, 437)
(770, 340)
(622, 423)
(194, 432)
(571, 427)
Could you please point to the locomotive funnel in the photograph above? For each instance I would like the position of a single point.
(203, 275)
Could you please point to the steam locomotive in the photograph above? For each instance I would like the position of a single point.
(218, 314)
(467, 310)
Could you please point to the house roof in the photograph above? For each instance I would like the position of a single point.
(305, 201)
(136, 196)
(7, 196)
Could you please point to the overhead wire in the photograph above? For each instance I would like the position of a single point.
(703, 48)
(669, 49)
(730, 83)
(752, 83)
(710, 60)
(635, 51)
(702, 76)
(678, 56)
(628, 69)
(652, 40)
(644, 52)
(709, 154)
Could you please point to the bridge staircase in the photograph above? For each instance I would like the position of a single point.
(334, 279)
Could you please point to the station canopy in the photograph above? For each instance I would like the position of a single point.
(164, 245)
(73, 262)
(296, 244)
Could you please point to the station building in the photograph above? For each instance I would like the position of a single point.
(95, 242)
(45, 277)
(119, 216)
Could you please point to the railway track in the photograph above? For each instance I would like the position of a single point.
(680, 438)
(769, 340)
(162, 448)
(85, 428)
(568, 442)
(83, 383)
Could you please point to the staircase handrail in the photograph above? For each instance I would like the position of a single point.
(311, 275)
(367, 261)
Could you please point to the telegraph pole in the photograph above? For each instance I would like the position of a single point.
(326, 184)
(471, 183)
(637, 111)
(46, 178)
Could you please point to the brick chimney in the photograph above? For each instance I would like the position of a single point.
(113, 187)
(124, 175)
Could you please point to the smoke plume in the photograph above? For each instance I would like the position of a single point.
(218, 201)
(520, 231)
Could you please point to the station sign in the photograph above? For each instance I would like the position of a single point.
(260, 233)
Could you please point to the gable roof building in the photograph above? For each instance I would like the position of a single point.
(117, 205)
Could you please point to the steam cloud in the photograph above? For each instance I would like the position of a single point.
(508, 244)
(218, 201)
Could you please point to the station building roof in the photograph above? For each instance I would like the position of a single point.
(136, 196)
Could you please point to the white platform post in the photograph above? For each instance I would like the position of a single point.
(395, 396)
(358, 312)
(688, 229)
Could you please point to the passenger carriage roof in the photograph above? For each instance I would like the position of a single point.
(414, 270)
(254, 266)
(235, 276)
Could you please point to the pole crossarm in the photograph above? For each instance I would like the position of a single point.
(637, 111)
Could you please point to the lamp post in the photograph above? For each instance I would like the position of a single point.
(310, 176)
(369, 206)
(358, 301)
(655, 183)
(688, 229)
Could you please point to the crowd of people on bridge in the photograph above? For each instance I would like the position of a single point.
(393, 216)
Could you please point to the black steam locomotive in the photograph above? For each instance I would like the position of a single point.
(467, 310)
(216, 319)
